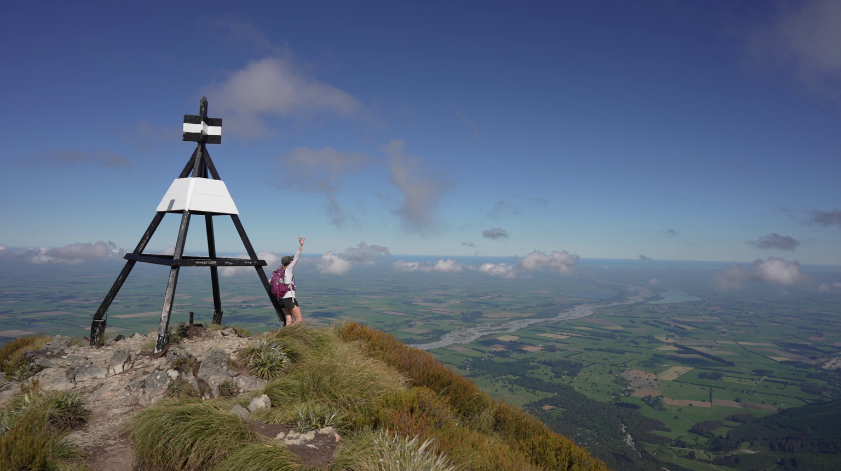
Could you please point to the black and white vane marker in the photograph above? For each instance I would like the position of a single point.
(200, 128)
(198, 190)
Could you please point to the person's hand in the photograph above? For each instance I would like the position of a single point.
(301, 240)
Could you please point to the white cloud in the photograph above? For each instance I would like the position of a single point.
(734, 277)
(272, 260)
(365, 253)
(402, 265)
(772, 270)
(333, 264)
(654, 281)
(829, 287)
(504, 270)
(319, 171)
(441, 266)
(777, 270)
(447, 266)
(562, 262)
(275, 87)
(339, 264)
(72, 254)
(421, 190)
(804, 36)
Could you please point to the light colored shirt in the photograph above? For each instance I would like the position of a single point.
(289, 276)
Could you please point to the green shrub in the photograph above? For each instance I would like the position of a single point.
(228, 389)
(266, 360)
(185, 435)
(313, 416)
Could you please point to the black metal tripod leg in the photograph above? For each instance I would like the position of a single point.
(169, 298)
(260, 272)
(98, 324)
(214, 273)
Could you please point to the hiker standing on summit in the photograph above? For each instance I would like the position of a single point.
(283, 281)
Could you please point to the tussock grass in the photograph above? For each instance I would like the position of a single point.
(185, 435)
(11, 354)
(265, 360)
(241, 331)
(524, 435)
(261, 457)
(385, 451)
(228, 389)
(313, 416)
(63, 410)
(400, 408)
(33, 432)
(299, 341)
(341, 377)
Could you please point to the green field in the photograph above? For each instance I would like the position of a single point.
(754, 351)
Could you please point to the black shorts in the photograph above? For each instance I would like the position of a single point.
(288, 303)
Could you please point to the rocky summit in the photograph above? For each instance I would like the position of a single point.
(124, 376)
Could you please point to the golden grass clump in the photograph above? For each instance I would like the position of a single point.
(475, 408)
(185, 435)
(392, 452)
(341, 377)
(11, 354)
(261, 457)
(33, 431)
(298, 340)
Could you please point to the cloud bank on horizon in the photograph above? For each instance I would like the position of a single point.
(71, 254)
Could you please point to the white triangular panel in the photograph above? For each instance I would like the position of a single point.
(198, 194)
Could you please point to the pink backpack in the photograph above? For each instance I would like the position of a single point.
(279, 288)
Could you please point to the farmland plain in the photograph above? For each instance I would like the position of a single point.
(657, 342)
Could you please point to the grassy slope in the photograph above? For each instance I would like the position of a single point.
(398, 404)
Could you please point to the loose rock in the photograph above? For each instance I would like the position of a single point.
(118, 362)
(240, 411)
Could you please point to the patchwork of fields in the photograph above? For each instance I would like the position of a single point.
(754, 351)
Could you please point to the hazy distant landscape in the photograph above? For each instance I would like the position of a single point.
(670, 372)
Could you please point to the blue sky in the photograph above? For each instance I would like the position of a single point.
(674, 130)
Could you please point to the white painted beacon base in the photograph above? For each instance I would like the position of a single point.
(198, 194)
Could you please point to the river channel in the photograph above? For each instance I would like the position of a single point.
(637, 294)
